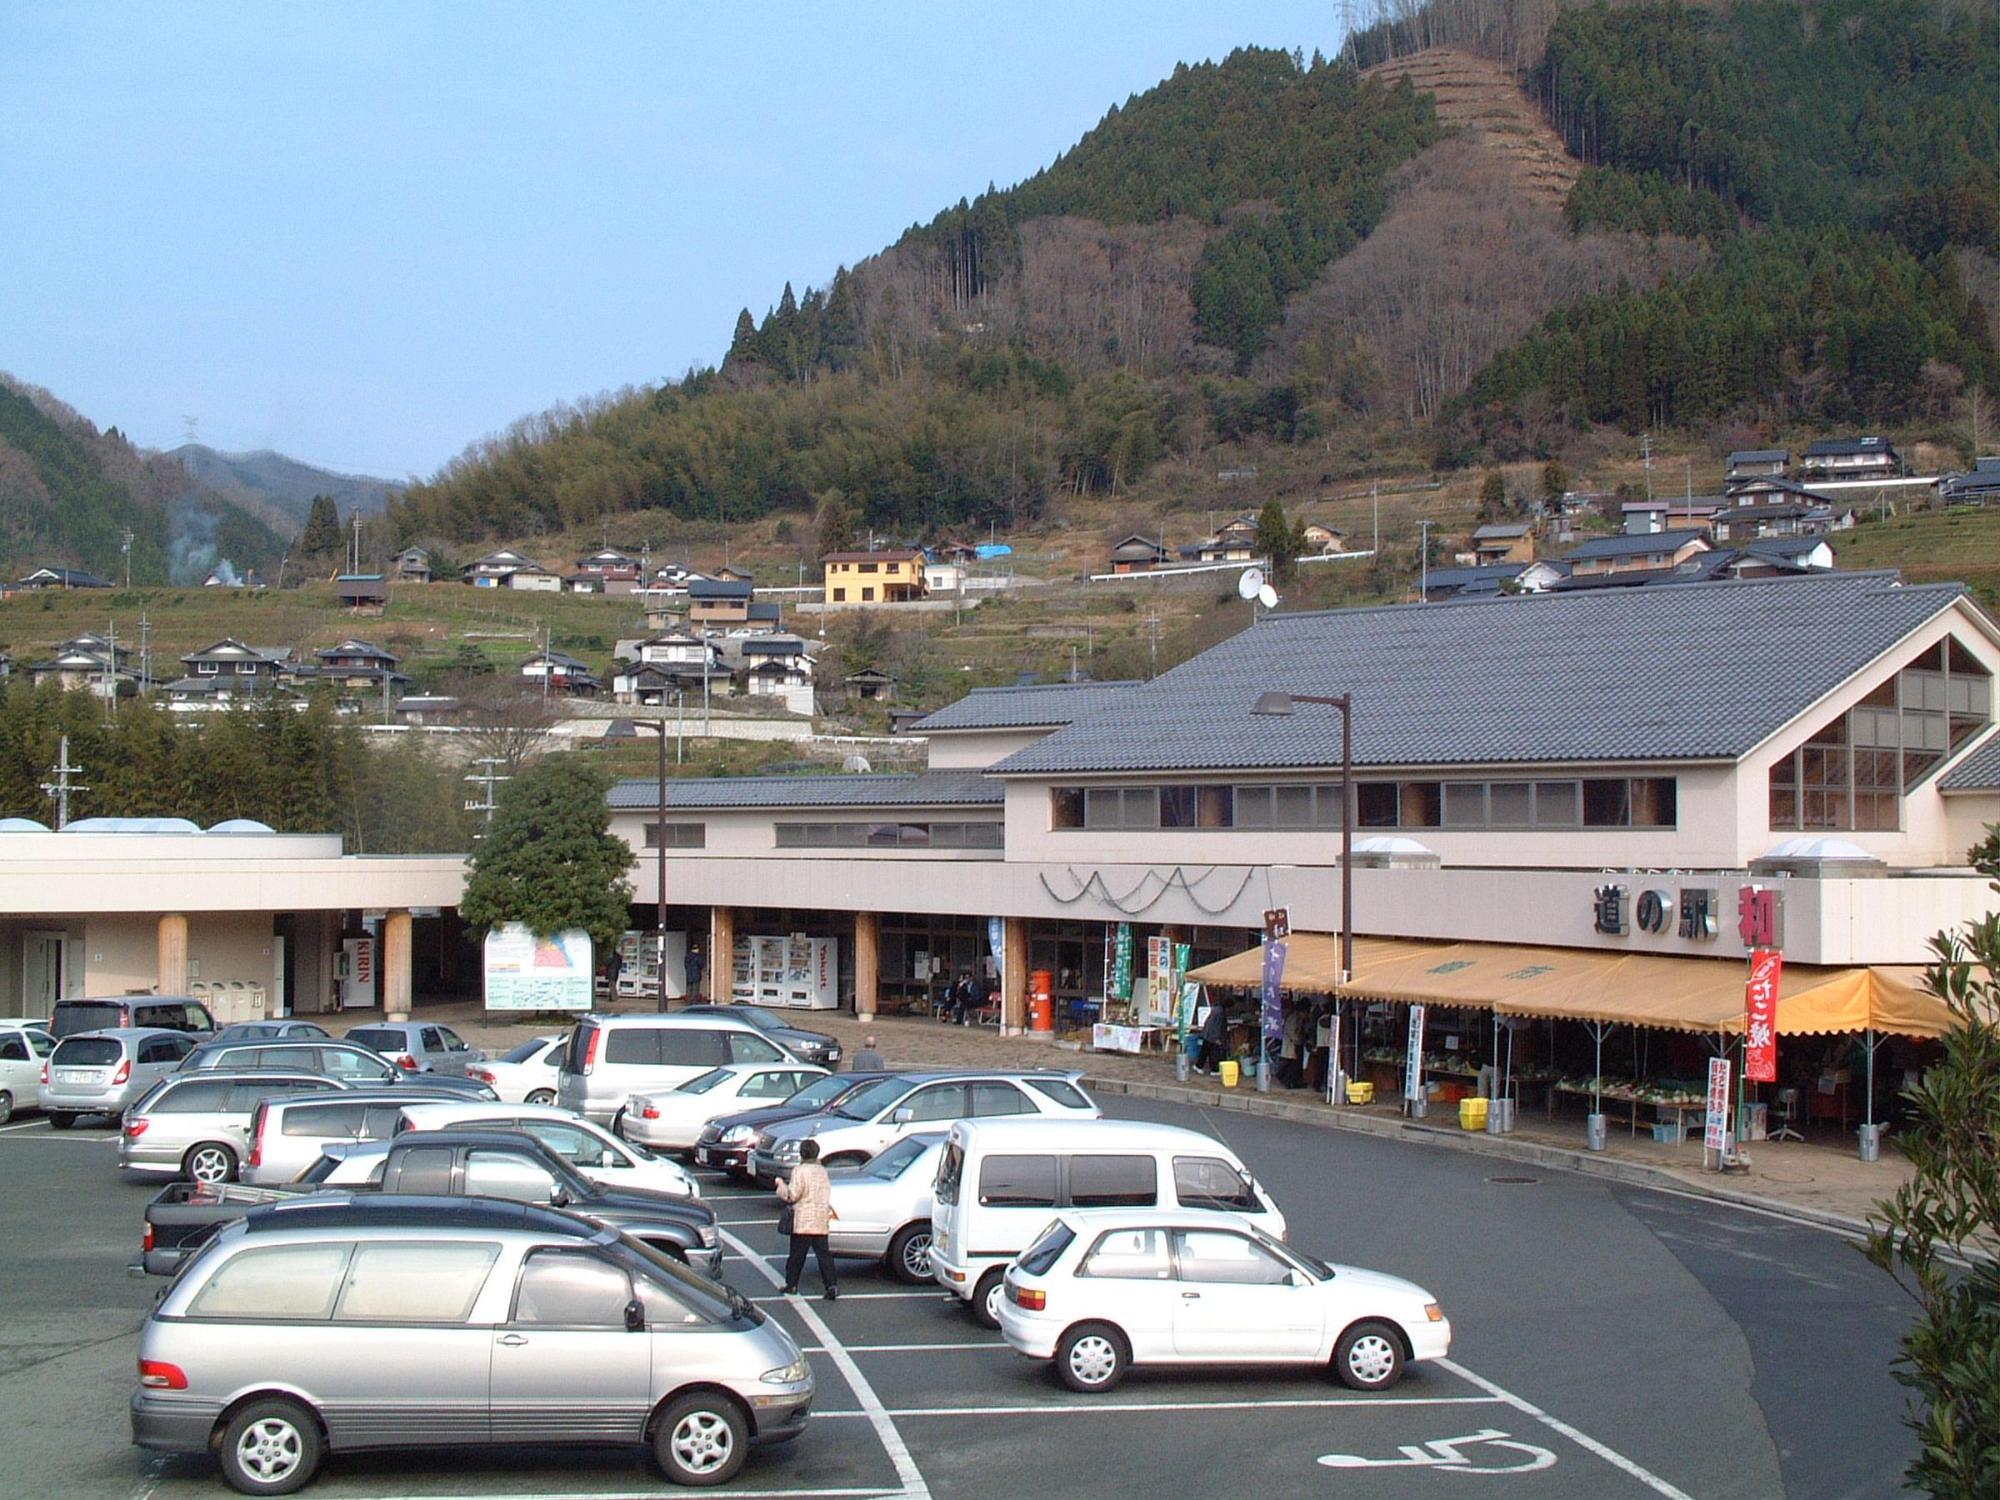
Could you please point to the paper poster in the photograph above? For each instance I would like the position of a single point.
(527, 972)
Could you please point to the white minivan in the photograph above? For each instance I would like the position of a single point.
(1000, 1182)
(611, 1058)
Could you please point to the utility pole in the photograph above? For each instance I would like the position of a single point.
(548, 668)
(145, 655)
(487, 779)
(58, 790)
(111, 672)
(1690, 489)
(1375, 498)
(1424, 563)
(354, 565)
(1153, 628)
(1646, 452)
(126, 548)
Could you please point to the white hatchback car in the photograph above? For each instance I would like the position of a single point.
(525, 1074)
(585, 1145)
(1105, 1289)
(24, 1047)
(672, 1120)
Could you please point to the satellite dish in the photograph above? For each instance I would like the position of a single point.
(1250, 583)
(1268, 597)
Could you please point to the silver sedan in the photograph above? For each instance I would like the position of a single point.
(883, 1208)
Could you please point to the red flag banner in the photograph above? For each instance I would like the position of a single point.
(1760, 1038)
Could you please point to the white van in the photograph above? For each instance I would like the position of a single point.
(1000, 1181)
(610, 1058)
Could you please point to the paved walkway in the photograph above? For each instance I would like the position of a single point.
(1821, 1178)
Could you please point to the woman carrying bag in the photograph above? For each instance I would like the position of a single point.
(808, 1196)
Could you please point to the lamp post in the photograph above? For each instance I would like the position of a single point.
(1280, 705)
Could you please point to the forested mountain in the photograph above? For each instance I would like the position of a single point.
(69, 494)
(279, 488)
(1786, 213)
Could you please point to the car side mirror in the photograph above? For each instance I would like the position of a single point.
(635, 1316)
(559, 1196)
(903, 1115)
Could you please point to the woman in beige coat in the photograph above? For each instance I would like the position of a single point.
(810, 1194)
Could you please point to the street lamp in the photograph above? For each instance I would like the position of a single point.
(1280, 705)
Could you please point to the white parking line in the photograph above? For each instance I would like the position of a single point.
(25, 1125)
(1106, 1408)
(741, 1223)
(765, 1262)
(907, 1472)
(1589, 1444)
(890, 1493)
(993, 1348)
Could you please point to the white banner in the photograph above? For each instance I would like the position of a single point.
(1413, 1064)
(526, 972)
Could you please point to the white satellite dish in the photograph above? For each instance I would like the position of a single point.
(1268, 597)
(1251, 583)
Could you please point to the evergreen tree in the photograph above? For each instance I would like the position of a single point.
(743, 343)
(834, 521)
(550, 861)
(1555, 480)
(1277, 539)
(321, 534)
(1493, 496)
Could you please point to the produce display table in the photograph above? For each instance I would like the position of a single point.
(1677, 1097)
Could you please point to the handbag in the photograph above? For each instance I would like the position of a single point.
(785, 1222)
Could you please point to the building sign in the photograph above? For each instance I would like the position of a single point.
(526, 972)
(1654, 911)
(1697, 913)
(1273, 1010)
(1760, 1034)
(355, 969)
(1715, 1134)
(1413, 1061)
(1277, 923)
(1757, 914)
(1609, 910)
(1118, 983)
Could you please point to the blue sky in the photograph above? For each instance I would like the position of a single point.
(369, 234)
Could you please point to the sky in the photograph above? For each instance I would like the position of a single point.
(367, 235)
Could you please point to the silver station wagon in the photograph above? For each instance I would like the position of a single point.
(346, 1323)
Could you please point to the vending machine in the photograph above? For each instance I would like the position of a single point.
(794, 972)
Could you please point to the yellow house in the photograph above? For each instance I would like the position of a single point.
(892, 576)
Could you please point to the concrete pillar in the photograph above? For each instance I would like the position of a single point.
(396, 966)
(173, 952)
(867, 963)
(720, 971)
(1014, 977)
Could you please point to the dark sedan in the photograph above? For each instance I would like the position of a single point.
(724, 1144)
(807, 1046)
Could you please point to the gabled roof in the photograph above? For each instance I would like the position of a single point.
(1850, 447)
(501, 559)
(1760, 456)
(1699, 671)
(718, 588)
(1634, 546)
(761, 612)
(772, 645)
(231, 649)
(1037, 706)
(1788, 547)
(1506, 532)
(885, 554)
(75, 578)
(1979, 771)
(923, 789)
(357, 648)
(1488, 576)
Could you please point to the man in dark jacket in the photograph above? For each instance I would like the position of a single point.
(1214, 1036)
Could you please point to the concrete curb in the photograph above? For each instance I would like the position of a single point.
(1500, 1147)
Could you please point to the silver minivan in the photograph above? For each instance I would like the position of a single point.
(287, 1134)
(101, 1072)
(198, 1124)
(345, 1322)
(611, 1058)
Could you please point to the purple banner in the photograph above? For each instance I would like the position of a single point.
(1273, 1014)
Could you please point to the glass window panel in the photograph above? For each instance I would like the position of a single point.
(1375, 804)
(1508, 804)
(1326, 804)
(1607, 803)
(1217, 807)
(1883, 696)
(1216, 1255)
(1465, 804)
(1103, 808)
(1294, 807)
(1142, 807)
(1253, 807)
(282, 1281)
(1210, 1182)
(1066, 807)
(913, 836)
(1876, 810)
(1113, 1181)
(985, 835)
(506, 1174)
(1961, 660)
(791, 836)
(1557, 804)
(1018, 1181)
(1130, 1255)
(1964, 730)
(1655, 802)
(883, 835)
(1923, 690)
(1000, 1099)
(414, 1283)
(1177, 806)
(566, 1290)
(1918, 764)
(1417, 804)
(1932, 659)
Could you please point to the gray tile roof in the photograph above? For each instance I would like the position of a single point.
(1703, 671)
(1760, 456)
(1634, 546)
(925, 789)
(1979, 771)
(1040, 706)
(1846, 447)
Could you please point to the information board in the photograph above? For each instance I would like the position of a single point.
(526, 972)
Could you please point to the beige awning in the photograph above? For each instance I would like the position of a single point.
(1579, 984)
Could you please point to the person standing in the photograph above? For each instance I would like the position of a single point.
(976, 993)
(1214, 1036)
(867, 1060)
(692, 968)
(809, 1192)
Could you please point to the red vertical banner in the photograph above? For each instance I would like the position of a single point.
(1760, 1038)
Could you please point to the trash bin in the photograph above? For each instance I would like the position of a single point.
(1361, 1093)
(1871, 1142)
(1593, 1132)
(1419, 1107)
(1229, 1070)
(1500, 1116)
(1472, 1114)
(1180, 1065)
(1264, 1077)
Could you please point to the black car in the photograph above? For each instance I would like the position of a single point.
(807, 1046)
(352, 1063)
(724, 1144)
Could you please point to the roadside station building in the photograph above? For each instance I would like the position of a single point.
(1601, 773)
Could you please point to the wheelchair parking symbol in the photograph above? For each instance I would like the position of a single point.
(1446, 1454)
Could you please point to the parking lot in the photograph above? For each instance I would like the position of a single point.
(1609, 1342)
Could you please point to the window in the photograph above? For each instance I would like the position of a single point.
(870, 567)
(867, 595)
(424, 1169)
(772, 1085)
(999, 1099)
(88, 1052)
(323, 1121)
(1176, 806)
(633, 1045)
(336, 1062)
(1066, 1094)
(1210, 1182)
(941, 1101)
(1465, 804)
(1129, 1255)
(1113, 1181)
(565, 1289)
(1218, 1256)
(745, 1048)
(679, 835)
(13, 1049)
(206, 669)
(688, 1048)
(507, 1174)
(1253, 807)
(452, 1041)
(276, 1281)
(1510, 804)
(203, 1096)
(433, 1039)
(163, 1050)
(1018, 1182)
(1375, 804)
(577, 1147)
(1420, 804)
(1047, 1249)
(414, 1283)
(1557, 804)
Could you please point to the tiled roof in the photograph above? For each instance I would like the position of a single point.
(1038, 707)
(1760, 456)
(926, 789)
(1696, 672)
(1634, 546)
(1846, 447)
(1978, 772)
(718, 588)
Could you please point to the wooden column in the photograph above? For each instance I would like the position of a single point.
(1014, 977)
(867, 963)
(721, 967)
(173, 951)
(396, 966)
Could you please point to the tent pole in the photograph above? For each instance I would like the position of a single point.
(1868, 1104)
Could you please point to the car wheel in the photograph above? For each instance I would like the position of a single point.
(270, 1448)
(541, 1096)
(985, 1304)
(909, 1257)
(6, 1106)
(1369, 1357)
(58, 1120)
(701, 1439)
(211, 1161)
(1092, 1357)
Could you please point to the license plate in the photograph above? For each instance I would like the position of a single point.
(76, 1075)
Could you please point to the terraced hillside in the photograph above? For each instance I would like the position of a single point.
(1484, 99)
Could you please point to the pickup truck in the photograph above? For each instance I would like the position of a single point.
(441, 1163)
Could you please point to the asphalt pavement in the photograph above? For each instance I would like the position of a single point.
(1609, 1341)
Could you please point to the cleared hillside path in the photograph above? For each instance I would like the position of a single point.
(1484, 99)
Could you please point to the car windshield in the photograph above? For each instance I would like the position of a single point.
(701, 1083)
(756, 1016)
(873, 1099)
(88, 1052)
(525, 1051)
(377, 1037)
(897, 1159)
(1047, 1249)
(821, 1092)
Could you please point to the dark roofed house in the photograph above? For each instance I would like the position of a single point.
(63, 578)
(719, 601)
(1504, 543)
(1139, 554)
(871, 685)
(411, 565)
(1980, 487)
(1753, 463)
(362, 593)
(495, 568)
(1492, 579)
(1620, 554)
(1851, 458)
(565, 674)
